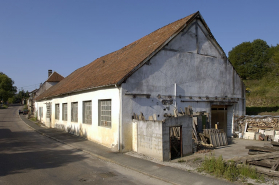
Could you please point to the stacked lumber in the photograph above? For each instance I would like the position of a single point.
(258, 121)
(266, 156)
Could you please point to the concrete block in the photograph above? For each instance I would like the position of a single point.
(269, 132)
(261, 131)
(249, 135)
(276, 138)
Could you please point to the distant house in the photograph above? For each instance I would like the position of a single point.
(53, 79)
(31, 102)
(127, 99)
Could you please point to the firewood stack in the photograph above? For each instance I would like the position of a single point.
(258, 121)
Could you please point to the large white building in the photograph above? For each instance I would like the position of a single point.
(176, 66)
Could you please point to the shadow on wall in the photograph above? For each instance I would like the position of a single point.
(75, 130)
(37, 153)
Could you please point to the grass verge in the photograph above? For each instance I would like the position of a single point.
(3, 107)
(229, 170)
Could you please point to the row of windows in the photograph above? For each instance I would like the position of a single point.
(104, 109)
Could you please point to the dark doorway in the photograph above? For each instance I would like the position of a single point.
(175, 142)
(219, 117)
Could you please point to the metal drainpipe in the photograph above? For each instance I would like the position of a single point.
(175, 95)
(120, 115)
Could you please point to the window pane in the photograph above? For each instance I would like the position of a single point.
(105, 113)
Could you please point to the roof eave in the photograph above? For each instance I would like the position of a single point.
(76, 91)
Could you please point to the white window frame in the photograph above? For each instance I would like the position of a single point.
(74, 112)
(104, 110)
(57, 111)
(64, 111)
(87, 112)
(41, 111)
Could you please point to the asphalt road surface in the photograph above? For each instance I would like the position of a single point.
(27, 157)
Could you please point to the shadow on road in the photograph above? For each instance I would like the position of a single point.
(26, 150)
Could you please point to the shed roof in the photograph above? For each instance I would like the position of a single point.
(114, 68)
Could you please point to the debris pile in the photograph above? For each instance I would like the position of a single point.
(265, 156)
(264, 128)
(258, 121)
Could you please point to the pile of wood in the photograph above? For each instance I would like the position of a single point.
(266, 156)
(210, 138)
(258, 121)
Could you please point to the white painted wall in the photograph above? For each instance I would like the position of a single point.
(103, 135)
(198, 70)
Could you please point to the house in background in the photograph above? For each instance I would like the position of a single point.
(31, 102)
(53, 79)
(123, 100)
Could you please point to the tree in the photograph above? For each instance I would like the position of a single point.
(274, 59)
(21, 95)
(7, 90)
(250, 59)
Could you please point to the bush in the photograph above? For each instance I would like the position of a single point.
(3, 106)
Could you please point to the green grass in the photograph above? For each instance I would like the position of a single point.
(3, 107)
(262, 96)
(33, 119)
(229, 170)
(181, 161)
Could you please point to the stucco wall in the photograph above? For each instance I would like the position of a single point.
(191, 67)
(150, 138)
(186, 123)
(153, 137)
(103, 135)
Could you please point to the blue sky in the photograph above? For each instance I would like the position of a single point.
(64, 35)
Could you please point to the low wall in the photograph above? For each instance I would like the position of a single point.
(187, 128)
(151, 138)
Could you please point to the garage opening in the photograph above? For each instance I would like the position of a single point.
(175, 142)
(219, 117)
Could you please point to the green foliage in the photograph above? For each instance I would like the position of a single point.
(228, 170)
(7, 90)
(25, 107)
(250, 59)
(21, 95)
(3, 107)
(11, 100)
(181, 161)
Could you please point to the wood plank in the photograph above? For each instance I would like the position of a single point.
(261, 163)
(275, 165)
(257, 157)
(253, 152)
(262, 148)
(274, 143)
(267, 171)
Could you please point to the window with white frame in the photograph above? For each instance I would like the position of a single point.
(64, 111)
(41, 111)
(57, 111)
(87, 112)
(105, 113)
(74, 111)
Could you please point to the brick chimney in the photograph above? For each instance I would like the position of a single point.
(49, 72)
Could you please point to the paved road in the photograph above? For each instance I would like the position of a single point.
(27, 157)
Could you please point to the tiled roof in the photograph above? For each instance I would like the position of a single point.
(113, 68)
(55, 77)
